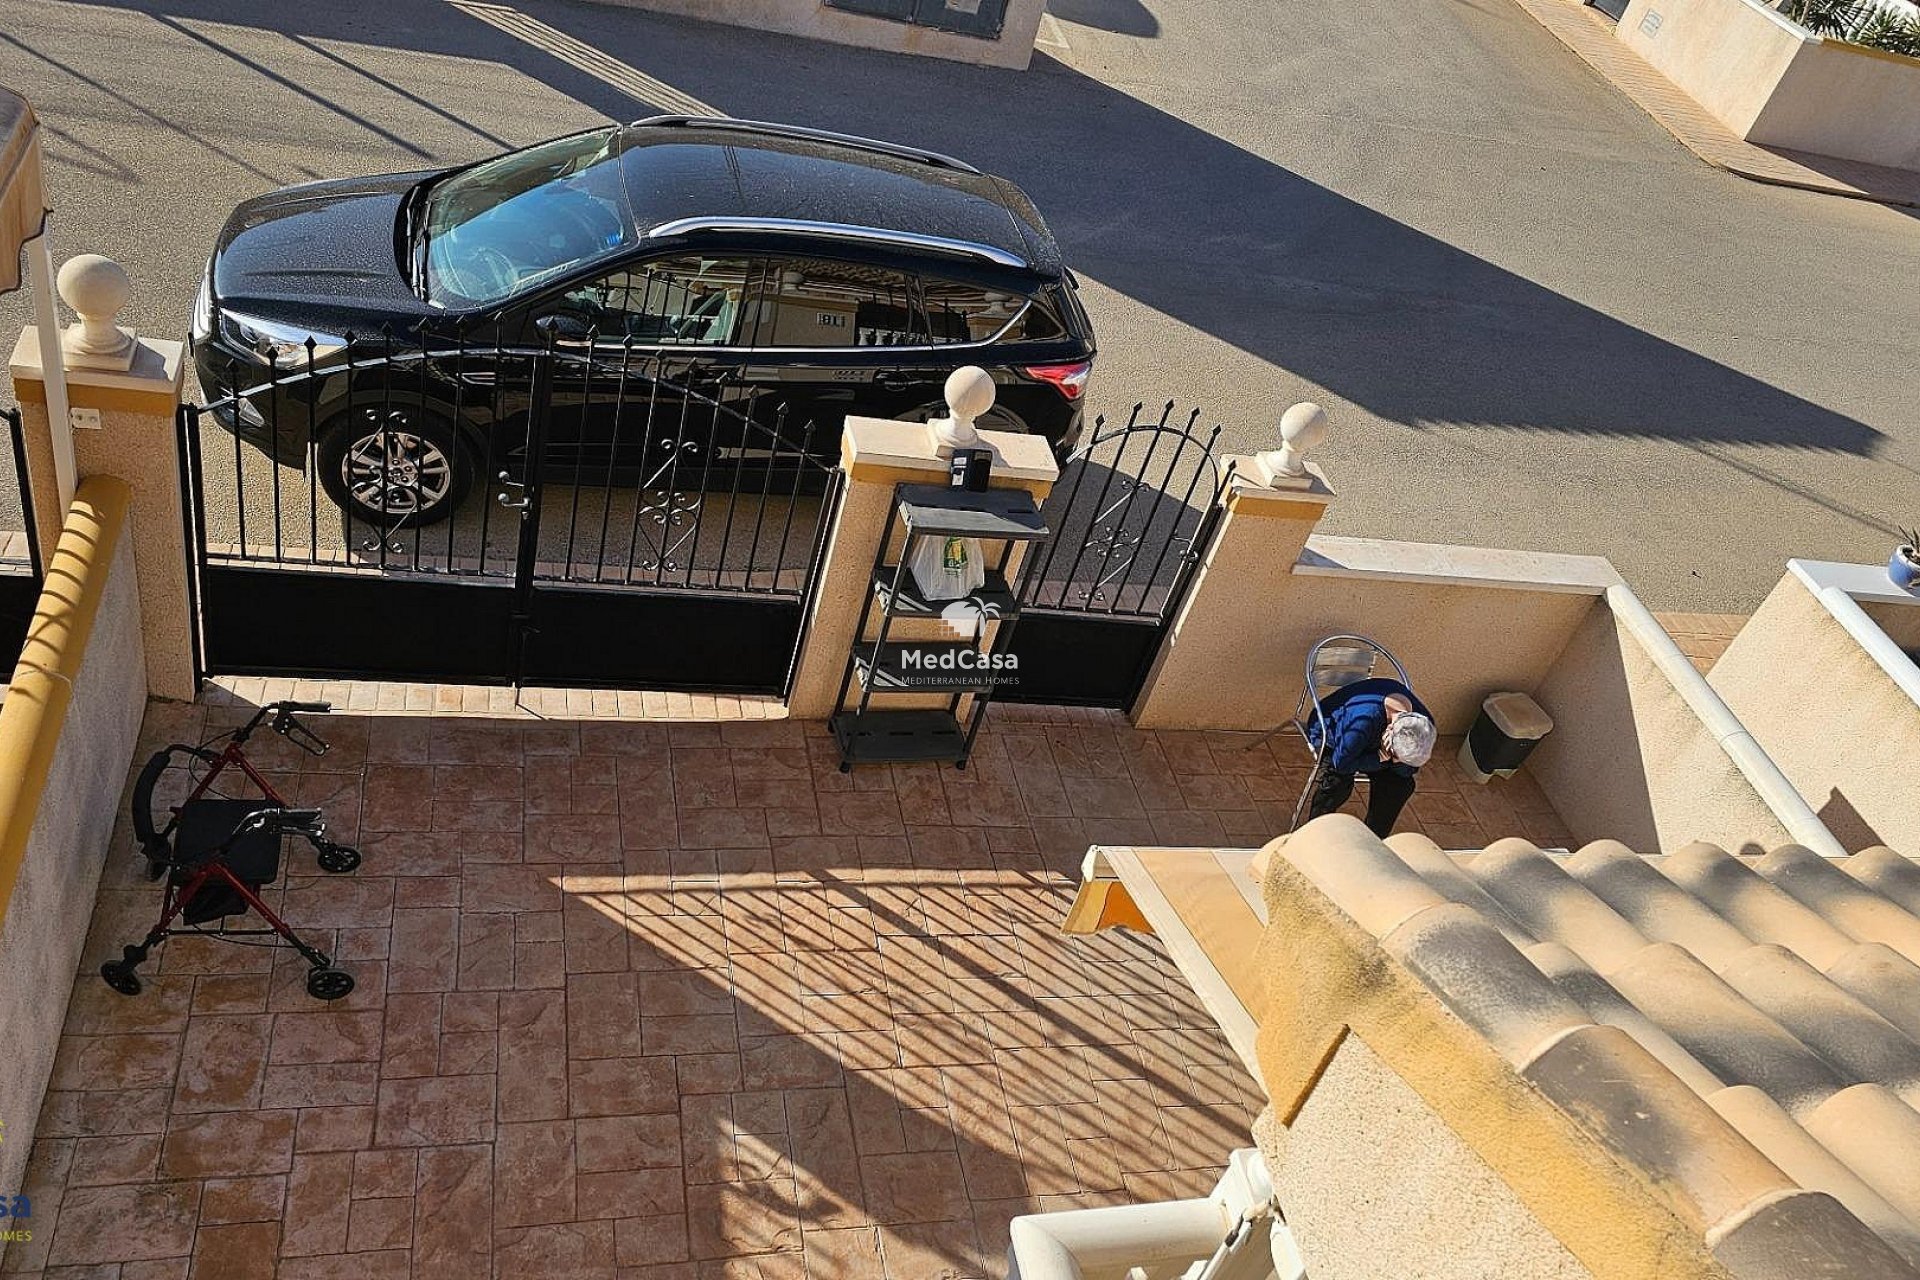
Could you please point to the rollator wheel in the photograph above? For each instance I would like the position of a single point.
(329, 984)
(337, 859)
(121, 977)
(155, 868)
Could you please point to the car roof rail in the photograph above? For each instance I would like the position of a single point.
(843, 231)
(921, 154)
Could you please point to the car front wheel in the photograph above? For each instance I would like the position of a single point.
(394, 465)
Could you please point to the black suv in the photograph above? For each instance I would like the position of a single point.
(807, 274)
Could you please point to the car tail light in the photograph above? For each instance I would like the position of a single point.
(1070, 380)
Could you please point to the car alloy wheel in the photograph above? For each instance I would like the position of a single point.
(392, 471)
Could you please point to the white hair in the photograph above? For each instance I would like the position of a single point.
(1409, 739)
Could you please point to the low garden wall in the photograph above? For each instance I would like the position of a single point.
(1013, 48)
(1465, 621)
(1819, 676)
(67, 731)
(1777, 84)
(1643, 751)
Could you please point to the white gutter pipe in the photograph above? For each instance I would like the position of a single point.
(1761, 773)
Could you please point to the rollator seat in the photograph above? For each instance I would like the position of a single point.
(254, 858)
(207, 824)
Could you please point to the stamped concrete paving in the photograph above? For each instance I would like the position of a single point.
(665, 1000)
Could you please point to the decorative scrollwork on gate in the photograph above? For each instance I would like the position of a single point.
(670, 514)
(1129, 515)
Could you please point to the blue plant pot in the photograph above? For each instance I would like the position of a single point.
(1902, 572)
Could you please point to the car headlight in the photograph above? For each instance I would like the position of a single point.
(285, 344)
(200, 327)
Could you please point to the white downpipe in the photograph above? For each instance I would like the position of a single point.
(1867, 634)
(52, 365)
(1761, 773)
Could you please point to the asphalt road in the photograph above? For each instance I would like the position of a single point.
(1536, 321)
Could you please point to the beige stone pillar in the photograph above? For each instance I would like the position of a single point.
(1228, 620)
(135, 441)
(875, 456)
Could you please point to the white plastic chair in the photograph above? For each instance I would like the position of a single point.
(1334, 662)
(1236, 1233)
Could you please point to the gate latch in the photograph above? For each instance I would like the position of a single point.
(508, 500)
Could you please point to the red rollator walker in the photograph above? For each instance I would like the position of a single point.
(218, 852)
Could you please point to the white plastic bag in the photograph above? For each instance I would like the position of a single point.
(947, 568)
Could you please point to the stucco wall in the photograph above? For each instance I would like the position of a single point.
(1377, 1187)
(1845, 735)
(48, 912)
(1729, 55)
(810, 18)
(1775, 84)
(1629, 760)
(1840, 99)
(1901, 622)
(1458, 643)
(1236, 656)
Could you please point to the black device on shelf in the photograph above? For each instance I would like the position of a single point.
(964, 669)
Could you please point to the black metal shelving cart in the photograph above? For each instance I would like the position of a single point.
(883, 666)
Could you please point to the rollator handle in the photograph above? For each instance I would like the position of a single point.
(301, 822)
(287, 726)
(277, 822)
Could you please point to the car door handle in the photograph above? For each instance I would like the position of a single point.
(894, 379)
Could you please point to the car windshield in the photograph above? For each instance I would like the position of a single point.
(493, 230)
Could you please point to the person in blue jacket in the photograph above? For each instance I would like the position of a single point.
(1379, 728)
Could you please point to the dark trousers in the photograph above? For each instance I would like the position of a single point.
(1387, 795)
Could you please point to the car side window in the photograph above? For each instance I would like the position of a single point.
(961, 312)
(680, 301)
(817, 302)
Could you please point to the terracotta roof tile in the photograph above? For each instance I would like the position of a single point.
(1744, 1030)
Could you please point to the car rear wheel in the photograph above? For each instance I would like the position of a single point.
(393, 465)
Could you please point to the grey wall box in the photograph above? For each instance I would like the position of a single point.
(968, 17)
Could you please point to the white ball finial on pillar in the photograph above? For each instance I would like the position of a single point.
(97, 289)
(1302, 428)
(969, 393)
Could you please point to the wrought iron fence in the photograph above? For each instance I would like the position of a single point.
(589, 463)
(1130, 515)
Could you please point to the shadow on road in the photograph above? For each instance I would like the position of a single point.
(1122, 17)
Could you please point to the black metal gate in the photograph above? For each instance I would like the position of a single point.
(1131, 515)
(21, 568)
(615, 524)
